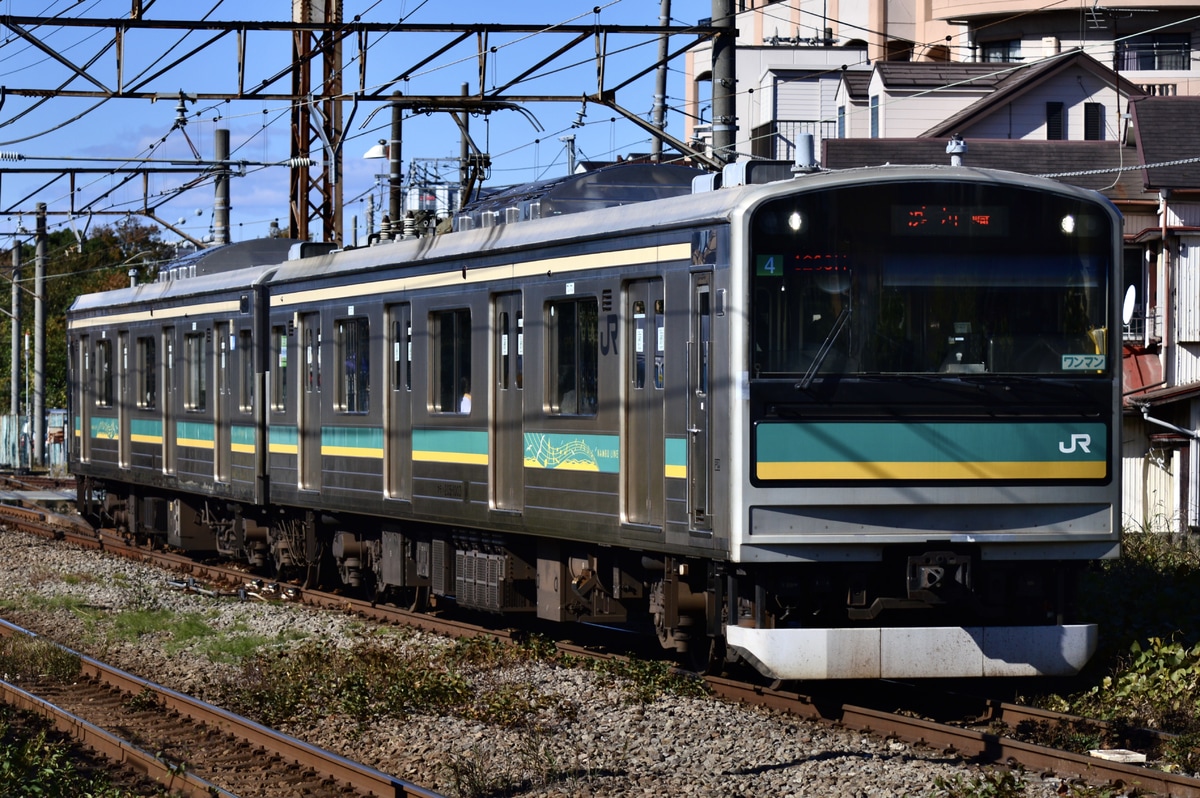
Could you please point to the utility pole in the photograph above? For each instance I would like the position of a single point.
(724, 84)
(38, 427)
(221, 199)
(15, 365)
(569, 141)
(395, 182)
(464, 154)
(660, 86)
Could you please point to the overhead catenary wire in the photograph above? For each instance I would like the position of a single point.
(499, 159)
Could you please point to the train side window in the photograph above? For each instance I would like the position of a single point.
(401, 348)
(104, 374)
(245, 349)
(312, 361)
(572, 335)
(352, 342)
(279, 348)
(195, 362)
(147, 386)
(451, 340)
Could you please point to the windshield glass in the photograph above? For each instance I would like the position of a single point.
(938, 278)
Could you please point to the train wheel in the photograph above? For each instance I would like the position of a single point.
(696, 650)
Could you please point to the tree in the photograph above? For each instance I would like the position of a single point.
(100, 263)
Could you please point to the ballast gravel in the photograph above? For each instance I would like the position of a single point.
(605, 744)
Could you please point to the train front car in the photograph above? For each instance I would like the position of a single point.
(931, 433)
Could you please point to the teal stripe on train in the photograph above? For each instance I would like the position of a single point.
(437, 445)
(931, 451)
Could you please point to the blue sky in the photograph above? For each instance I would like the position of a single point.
(63, 131)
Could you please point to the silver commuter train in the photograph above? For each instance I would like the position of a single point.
(849, 425)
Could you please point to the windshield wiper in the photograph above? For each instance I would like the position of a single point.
(823, 352)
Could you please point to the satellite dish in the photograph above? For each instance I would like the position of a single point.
(1127, 308)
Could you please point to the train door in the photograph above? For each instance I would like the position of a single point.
(643, 446)
(222, 410)
(168, 399)
(398, 421)
(507, 405)
(124, 435)
(699, 455)
(309, 417)
(83, 388)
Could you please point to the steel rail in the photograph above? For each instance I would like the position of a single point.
(111, 747)
(970, 743)
(363, 778)
(982, 746)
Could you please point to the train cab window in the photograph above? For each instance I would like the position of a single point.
(104, 374)
(245, 352)
(572, 335)
(451, 341)
(195, 363)
(147, 376)
(352, 340)
(279, 342)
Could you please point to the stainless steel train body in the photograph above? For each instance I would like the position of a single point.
(856, 424)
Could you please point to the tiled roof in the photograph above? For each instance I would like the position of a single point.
(1168, 130)
(857, 83)
(1028, 157)
(917, 75)
(1017, 81)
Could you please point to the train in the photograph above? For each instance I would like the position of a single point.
(853, 424)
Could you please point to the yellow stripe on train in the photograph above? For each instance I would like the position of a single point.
(924, 471)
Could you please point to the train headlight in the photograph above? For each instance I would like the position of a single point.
(1068, 224)
(796, 221)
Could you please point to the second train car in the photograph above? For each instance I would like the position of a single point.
(859, 424)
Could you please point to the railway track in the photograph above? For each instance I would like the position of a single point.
(983, 741)
(190, 747)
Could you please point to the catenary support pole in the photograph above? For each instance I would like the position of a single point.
(38, 430)
(15, 398)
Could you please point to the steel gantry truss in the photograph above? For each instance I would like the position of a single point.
(318, 33)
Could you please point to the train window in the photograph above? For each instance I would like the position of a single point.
(147, 386)
(639, 344)
(975, 280)
(452, 344)
(353, 352)
(104, 374)
(660, 340)
(520, 377)
(505, 335)
(246, 396)
(195, 363)
(312, 360)
(279, 342)
(572, 336)
(401, 349)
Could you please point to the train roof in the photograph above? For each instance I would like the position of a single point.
(276, 260)
(691, 210)
(164, 291)
(229, 257)
(619, 184)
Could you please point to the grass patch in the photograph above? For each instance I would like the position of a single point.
(23, 657)
(34, 761)
(1146, 674)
